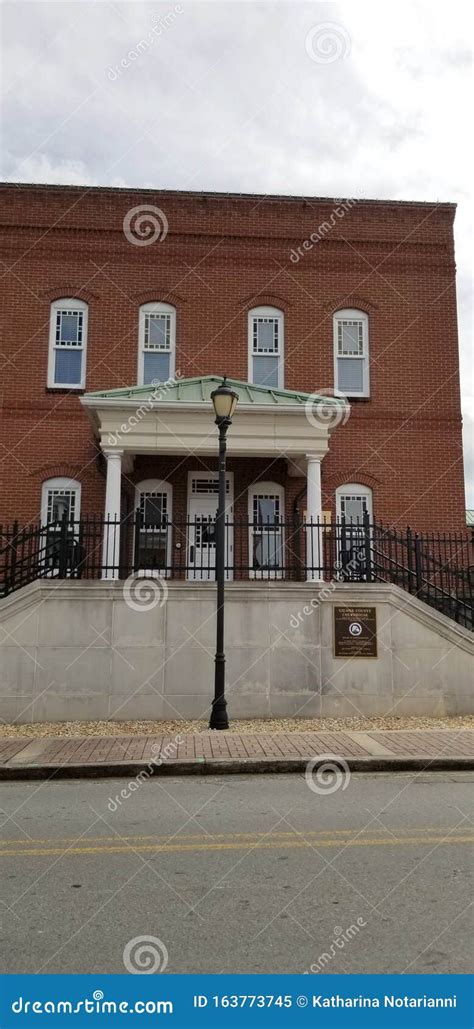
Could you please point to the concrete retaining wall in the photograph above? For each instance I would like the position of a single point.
(78, 650)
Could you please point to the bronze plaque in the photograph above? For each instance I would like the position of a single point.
(355, 632)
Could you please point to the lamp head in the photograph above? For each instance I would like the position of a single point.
(224, 400)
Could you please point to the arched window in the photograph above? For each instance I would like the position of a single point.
(353, 501)
(266, 522)
(67, 344)
(60, 496)
(153, 547)
(266, 347)
(353, 504)
(156, 343)
(351, 353)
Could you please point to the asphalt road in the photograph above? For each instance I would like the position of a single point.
(239, 874)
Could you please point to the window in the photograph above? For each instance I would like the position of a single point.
(156, 343)
(266, 516)
(153, 547)
(67, 344)
(60, 497)
(353, 503)
(266, 331)
(351, 353)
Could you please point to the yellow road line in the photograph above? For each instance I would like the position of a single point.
(177, 848)
(224, 836)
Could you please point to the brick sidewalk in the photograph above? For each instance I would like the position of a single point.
(231, 751)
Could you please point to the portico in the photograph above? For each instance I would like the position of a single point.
(175, 419)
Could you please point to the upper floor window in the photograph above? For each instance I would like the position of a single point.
(67, 344)
(351, 353)
(266, 341)
(156, 343)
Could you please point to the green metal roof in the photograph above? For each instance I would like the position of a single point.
(198, 390)
(470, 517)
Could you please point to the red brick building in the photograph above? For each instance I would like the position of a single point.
(299, 296)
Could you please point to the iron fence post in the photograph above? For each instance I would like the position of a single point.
(367, 548)
(63, 546)
(10, 579)
(418, 570)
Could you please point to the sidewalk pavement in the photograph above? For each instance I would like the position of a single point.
(232, 753)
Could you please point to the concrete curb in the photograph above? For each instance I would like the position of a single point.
(238, 766)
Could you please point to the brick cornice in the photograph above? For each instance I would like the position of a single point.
(64, 469)
(265, 300)
(331, 482)
(69, 289)
(159, 294)
(350, 300)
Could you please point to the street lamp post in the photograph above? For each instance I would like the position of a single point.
(224, 400)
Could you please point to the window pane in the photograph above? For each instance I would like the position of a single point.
(60, 502)
(350, 338)
(265, 371)
(354, 507)
(350, 374)
(68, 327)
(266, 509)
(157, 332)
(68, 367)
(266, 335)
(154, 510)
(267, 550)
(152, 550)
(156, 367)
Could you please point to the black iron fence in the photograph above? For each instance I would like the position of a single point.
(438, 568)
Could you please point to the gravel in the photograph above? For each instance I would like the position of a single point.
(254, 725)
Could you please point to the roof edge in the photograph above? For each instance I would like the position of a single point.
(221, 195)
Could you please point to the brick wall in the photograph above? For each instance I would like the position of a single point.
(221, 256)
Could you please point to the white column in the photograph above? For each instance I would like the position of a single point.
(111, 544)
(314, 535)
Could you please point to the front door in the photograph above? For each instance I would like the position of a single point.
(202, 510)
(353, 506)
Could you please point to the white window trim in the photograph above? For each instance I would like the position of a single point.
(348, 314)
(350, 488)
(267, 312)
(59, 483)
(67, 303)
(156, 486)
(256, 489)
(155, 308)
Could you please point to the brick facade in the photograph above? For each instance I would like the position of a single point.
(222, 256)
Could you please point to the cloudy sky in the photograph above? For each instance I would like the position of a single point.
(351, 99)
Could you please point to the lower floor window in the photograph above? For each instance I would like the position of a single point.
(266, 503)
(61, 498)
(153, 543)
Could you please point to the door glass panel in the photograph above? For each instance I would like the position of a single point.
(154, 529)
(355, 508)
(267, 533)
